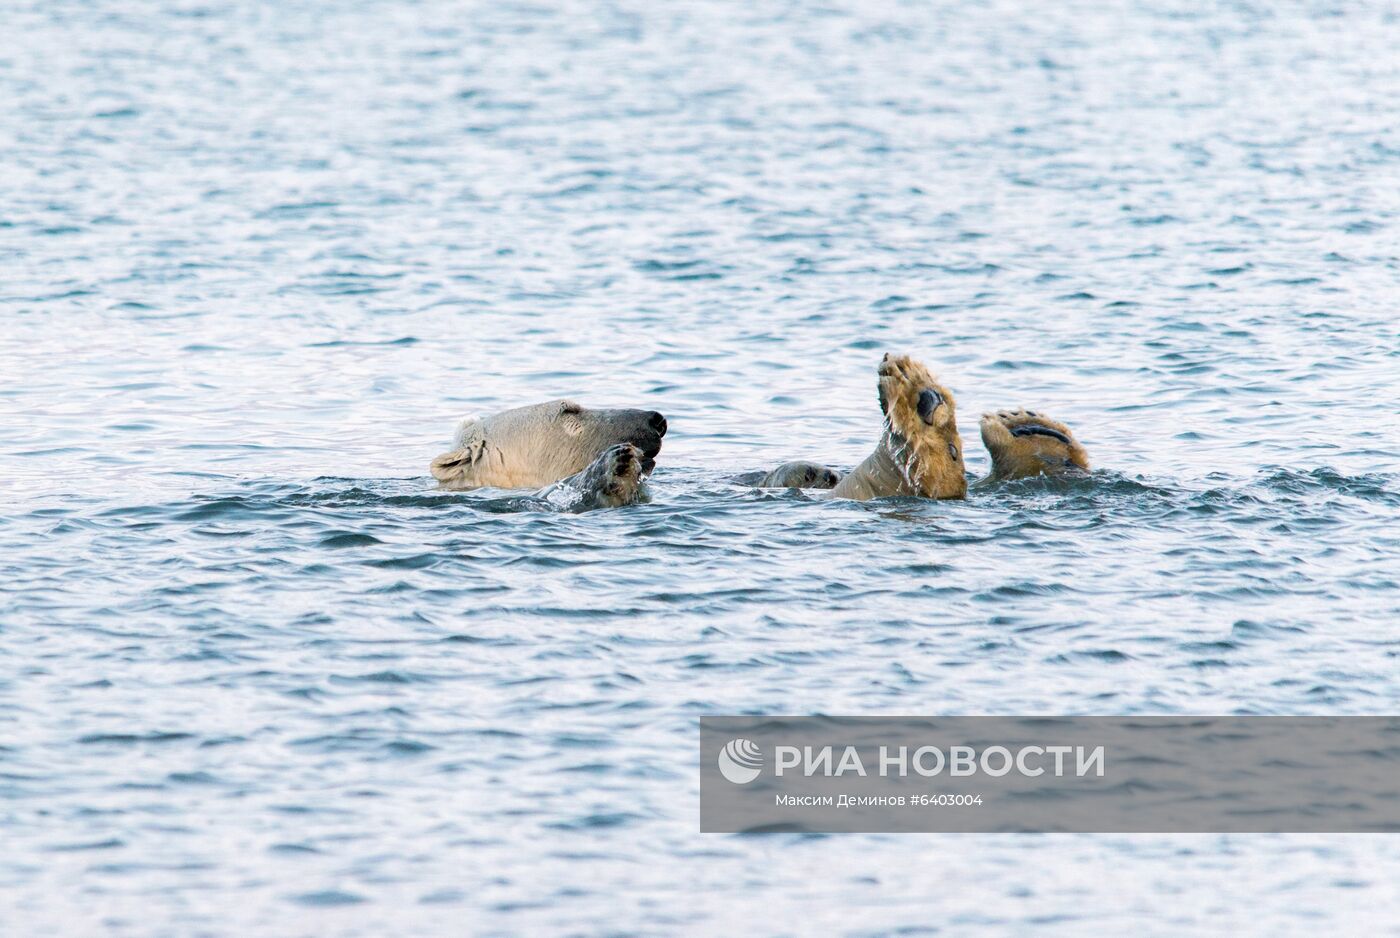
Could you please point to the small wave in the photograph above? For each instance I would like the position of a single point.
(1368, 486)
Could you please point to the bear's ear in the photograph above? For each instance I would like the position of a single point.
(468, 428)
(452, 466)
(449, 465)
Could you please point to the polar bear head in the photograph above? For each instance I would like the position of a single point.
(534, 446)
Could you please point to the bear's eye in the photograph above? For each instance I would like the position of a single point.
(953, 451)
(569, 407)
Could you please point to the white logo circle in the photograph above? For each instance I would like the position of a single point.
(740, 761)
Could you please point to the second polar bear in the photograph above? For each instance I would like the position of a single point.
(920, 451)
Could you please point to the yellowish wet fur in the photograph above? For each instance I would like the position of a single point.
(1025, 443)
(920, 451)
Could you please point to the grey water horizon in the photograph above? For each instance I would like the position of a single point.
(259, 675)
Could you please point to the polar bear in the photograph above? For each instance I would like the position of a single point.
(538, 445)
(920, 452)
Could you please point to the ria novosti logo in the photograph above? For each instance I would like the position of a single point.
(740, 761)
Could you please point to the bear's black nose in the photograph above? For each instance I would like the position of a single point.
(657, 423)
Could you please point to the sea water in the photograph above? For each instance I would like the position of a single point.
(258, 675)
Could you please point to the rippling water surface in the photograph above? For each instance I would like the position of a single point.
(257, 674)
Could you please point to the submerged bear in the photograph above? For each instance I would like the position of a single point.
(603, 455)
(921, 453)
